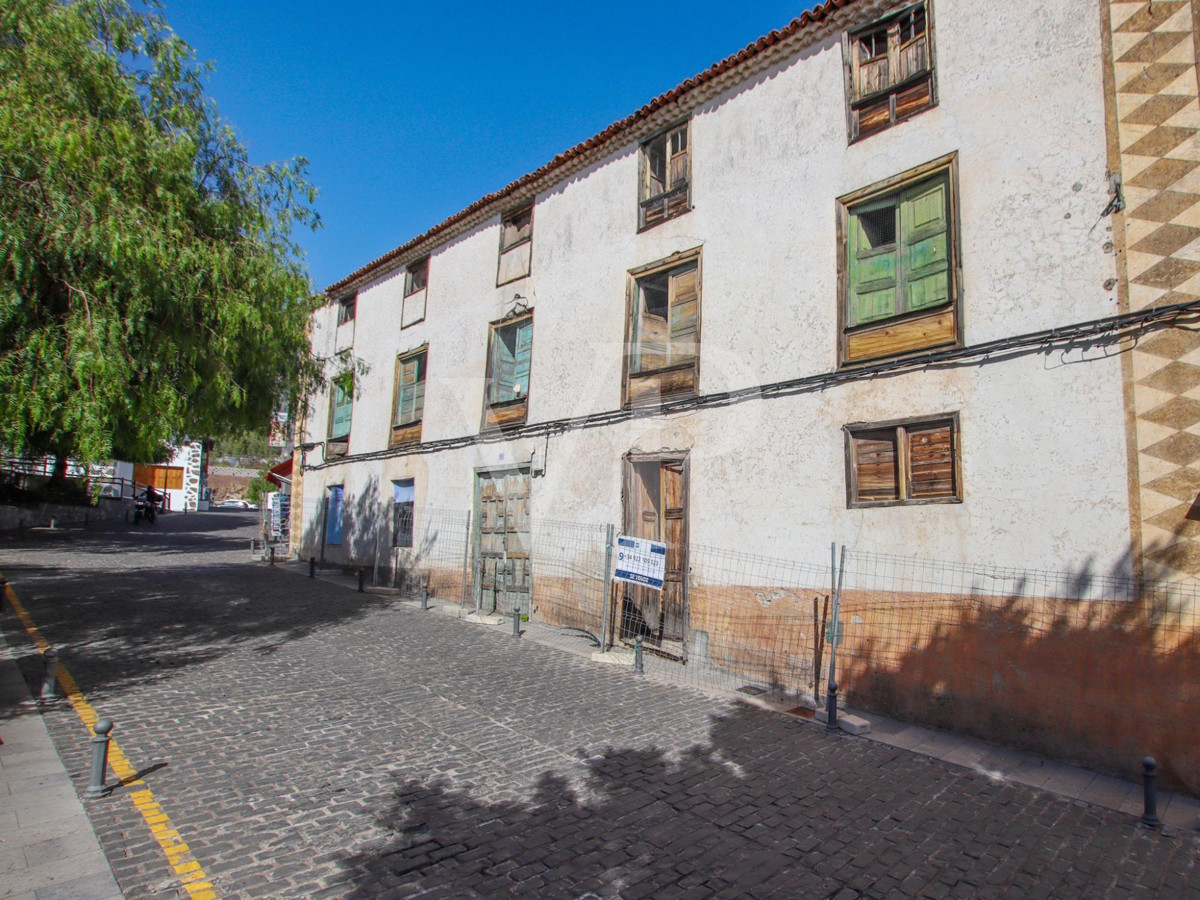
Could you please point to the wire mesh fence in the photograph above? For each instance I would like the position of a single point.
(1093, 667)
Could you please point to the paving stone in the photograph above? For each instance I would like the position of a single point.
(322, 743)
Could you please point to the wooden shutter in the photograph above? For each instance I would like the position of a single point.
(871, 266)
(674, 506)
(931, 460)
(522, 356)
(410, 398)
(343, 404)
(876, 466)
(925, 246)
(684, 302)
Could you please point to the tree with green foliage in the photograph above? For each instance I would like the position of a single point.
(149, 284)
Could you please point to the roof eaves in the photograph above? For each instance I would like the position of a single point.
(738, 67)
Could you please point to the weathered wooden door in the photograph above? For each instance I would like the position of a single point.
(505, 573)
(656, 509)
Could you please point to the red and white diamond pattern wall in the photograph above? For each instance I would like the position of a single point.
(1157, 123)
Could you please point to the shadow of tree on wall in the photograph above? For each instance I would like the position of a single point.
(1098, 682)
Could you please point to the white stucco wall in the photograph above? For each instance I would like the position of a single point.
(1042, 436)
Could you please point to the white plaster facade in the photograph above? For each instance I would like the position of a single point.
(1043, 438)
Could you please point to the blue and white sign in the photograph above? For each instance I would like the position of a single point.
(640, 561)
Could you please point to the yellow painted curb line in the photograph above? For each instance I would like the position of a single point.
(179, 856)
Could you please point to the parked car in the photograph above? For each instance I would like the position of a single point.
(234, 503)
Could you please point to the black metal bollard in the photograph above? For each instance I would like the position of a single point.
(637, 657)
(312, 567)
(517, 621)
(424, 594)
(85, 520)
(49, 676)
(272, 554)
(1150, 792)
(96, 786)
(361, 575)
(831, 722)
(126, 515)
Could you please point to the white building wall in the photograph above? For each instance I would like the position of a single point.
(1042, 436)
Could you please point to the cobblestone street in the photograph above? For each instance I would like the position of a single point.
(308, 741)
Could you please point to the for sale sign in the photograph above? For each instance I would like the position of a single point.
(640, 561)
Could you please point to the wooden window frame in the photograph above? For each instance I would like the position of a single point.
(901, 427)
(347, 309)
(416, 266)
(404, 434)
(909, 333)
(677, 381)
(396, 536)
(521, 242)
(855, 103)
(506, 413)
(668, 197)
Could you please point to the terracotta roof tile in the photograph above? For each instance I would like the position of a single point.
(764, 43)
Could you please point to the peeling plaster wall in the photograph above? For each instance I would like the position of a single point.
(1043, 442)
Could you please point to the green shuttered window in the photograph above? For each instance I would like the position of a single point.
(898, 253)
(512, 351)
(410, 391)
(342, 406)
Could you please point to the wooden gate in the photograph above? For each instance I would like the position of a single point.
(503, 550)
(656, 509)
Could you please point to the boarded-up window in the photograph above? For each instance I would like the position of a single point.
(511, 354)
(516, 245)
(890, 70)
(908, 462)
(403, 503)
(667, 327)
(665, 177)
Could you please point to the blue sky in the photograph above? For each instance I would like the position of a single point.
(408, 112)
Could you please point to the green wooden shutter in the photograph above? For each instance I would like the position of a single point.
(871, 263)
(410, 403)
(522, 356)
(343, 404)
(925, 236)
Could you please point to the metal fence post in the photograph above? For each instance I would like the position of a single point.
(466, 562)
(831, 723)
(96, 787)
(608, 547)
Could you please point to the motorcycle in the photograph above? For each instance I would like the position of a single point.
(145, 507)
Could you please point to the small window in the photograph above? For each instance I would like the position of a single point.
(416, 277)
(898, 463)
(665, 177)
(403, 507)
(664, 329)
(409, 407)
(509, 358)
(334, 510)
(899, 272)
(516, 248)
(890, 70)
(346, 309)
